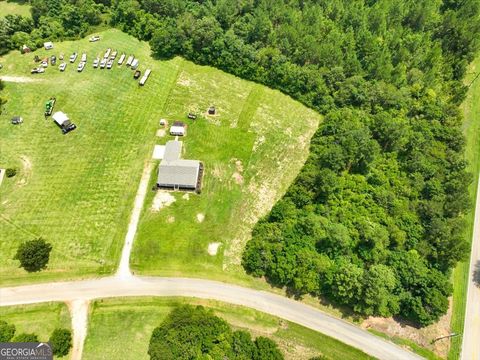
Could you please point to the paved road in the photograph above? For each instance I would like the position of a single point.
(471, 329)
(260, 300)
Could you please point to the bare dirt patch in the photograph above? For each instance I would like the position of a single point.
(2, 174)
(27, 170)
(200, 217)
(213, 248)
(161, 132)
(18, 79)
(162, 199)
(422, 337)
(171, 219)
(186, 196)
(237, 175)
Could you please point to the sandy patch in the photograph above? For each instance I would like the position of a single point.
(213, 248)
(162, 199)
(171, 219)
(19, 79)
(27, 169)
(200, 217)
(423, 336)
(186, 196)
(2, 174)
(161, 132)
(237, 175)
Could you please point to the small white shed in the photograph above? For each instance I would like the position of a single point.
(177, 130)
(60, 118)
(48, 45)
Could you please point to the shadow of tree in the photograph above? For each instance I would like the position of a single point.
(476, 273)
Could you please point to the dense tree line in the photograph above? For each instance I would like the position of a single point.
(193, 332)
(375, 219)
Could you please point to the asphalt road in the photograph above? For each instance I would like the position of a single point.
(471, 328)
(276, 305)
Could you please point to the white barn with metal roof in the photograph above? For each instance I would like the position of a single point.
(176, 173)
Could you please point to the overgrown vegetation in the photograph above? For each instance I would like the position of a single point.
(191, 332)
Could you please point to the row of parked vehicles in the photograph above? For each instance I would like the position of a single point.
(106, 61)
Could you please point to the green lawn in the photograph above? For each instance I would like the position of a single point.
(131, 322)
(252, 150)
(14, 8)
(40, 319)
(77, 191)
(471, 110)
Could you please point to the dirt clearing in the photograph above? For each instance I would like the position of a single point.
(19, 79)
(161, 200)
(213, 248)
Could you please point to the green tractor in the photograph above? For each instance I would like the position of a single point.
(49, 106)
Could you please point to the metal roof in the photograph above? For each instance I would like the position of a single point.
(176, 172)
(60, 117)
(179, 173)
(173, 150)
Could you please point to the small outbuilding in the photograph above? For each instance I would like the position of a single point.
(178, 129)
(62, 120)
(211, 110)
(48, 45)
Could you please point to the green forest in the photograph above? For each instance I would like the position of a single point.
(375, 220)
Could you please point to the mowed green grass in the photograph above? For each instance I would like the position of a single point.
(252, 150)
(76, 190)
(471, 110)
(131, 322)
(14, 8)
(40, 319)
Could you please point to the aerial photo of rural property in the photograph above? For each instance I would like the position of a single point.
(239, 179)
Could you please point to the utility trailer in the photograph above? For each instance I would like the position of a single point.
(146, 74)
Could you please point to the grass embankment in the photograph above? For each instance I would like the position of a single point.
(14, 8)
(40, 319)
(131, 322)
(471, 110)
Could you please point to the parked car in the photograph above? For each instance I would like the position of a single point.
(94, 38)
(81, 66)
(62, 66)
(73, 57)
(44, 63)
(137, 74)
(84, 58)
(96, 62)
(53, 60)
(135, 64)
(109, 64)
(103, 63)
(37, 70)
(16, 120)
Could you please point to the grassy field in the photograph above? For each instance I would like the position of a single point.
(252, 150)
(40, 319)
(77, 191)
(14, 8)
(471, 110)
(131, 322)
